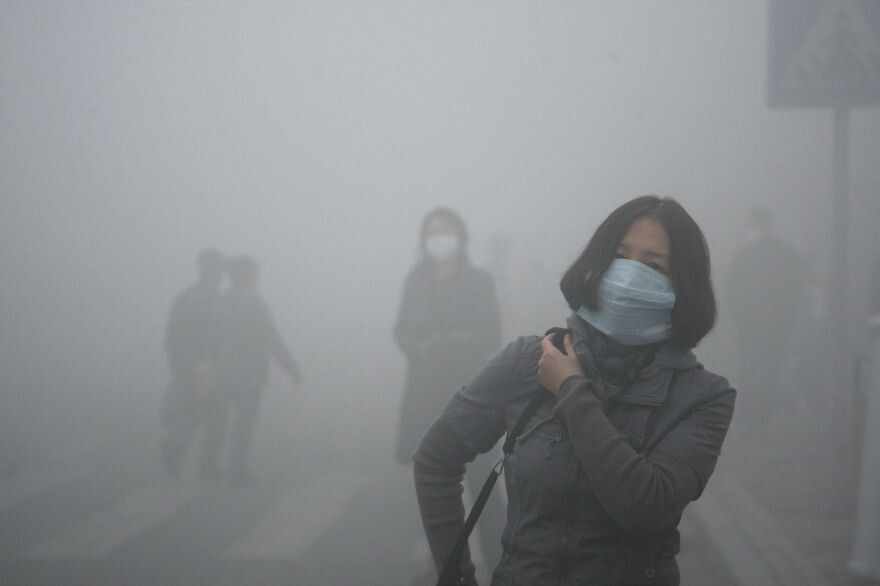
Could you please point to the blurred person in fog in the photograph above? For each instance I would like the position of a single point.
(766, 285)
(629, 432)
(805, 369)
(248, 338)
(447, 327)
(190, 344)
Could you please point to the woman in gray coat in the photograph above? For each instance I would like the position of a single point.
(598, 479)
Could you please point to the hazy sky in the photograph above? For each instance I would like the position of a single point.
(315, 135)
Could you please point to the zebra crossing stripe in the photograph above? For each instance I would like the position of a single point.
(299, 518)
(100, 534)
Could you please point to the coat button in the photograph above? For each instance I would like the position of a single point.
(650, 573)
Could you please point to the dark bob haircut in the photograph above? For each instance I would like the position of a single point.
(452, 218)
(693, 315)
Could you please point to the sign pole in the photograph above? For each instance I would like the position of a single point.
(842, 377)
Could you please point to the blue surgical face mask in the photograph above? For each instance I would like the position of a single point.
(635, 304)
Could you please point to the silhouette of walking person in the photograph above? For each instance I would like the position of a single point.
(248, 339)
(190, 344)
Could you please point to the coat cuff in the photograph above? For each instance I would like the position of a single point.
(579, 385)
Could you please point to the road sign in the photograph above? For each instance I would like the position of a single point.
(824, 53)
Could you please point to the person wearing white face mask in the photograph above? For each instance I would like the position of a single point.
(628, 425)
(448, 326)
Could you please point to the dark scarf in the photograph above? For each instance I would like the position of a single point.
(617, 365)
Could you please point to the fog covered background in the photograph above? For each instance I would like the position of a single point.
(316, 135)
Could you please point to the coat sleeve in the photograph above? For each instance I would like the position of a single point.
(643, 493)
(407, 332)
(488, 320)
(471, 423)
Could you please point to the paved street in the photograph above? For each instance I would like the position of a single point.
(345, 514)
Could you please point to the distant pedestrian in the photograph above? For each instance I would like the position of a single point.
(248, 338)
(190, 344)
(766, 286)
(448, 326)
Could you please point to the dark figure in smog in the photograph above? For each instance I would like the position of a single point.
(247, 340)
(190, 344)
(766, 285)
(630, 430)
(448, 326)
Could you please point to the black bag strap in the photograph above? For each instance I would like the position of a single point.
(451, 574)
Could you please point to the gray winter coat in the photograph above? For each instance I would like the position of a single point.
(597, 481)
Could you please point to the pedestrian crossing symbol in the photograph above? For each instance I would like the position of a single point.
(824, 53)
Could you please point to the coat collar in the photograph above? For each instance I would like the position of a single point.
(652, 387)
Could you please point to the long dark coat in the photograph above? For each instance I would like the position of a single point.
(447, 330)
(190, 339)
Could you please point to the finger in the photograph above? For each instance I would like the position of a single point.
(569, 343)
(547, 343)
